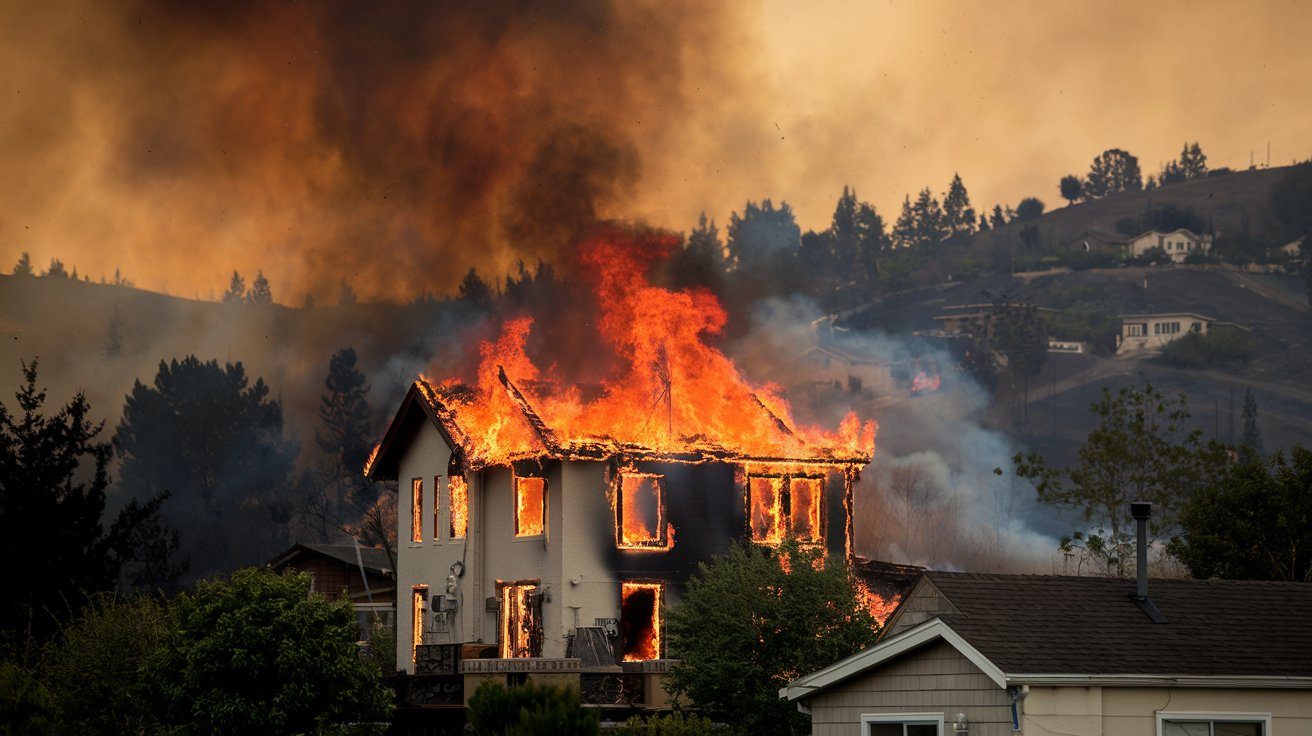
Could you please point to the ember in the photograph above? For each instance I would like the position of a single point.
(640, 620)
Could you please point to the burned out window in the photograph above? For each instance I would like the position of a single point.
(437, 507)
(786, 505)
(417, 510)
(640, 512)
(530, 506)
(640, 620)
(519, 620)
(419, 600)
(458, 501)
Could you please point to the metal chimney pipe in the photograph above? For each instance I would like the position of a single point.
(1141, 510)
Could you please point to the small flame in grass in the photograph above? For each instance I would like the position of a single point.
(925, 383)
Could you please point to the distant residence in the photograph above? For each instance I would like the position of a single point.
(1094, 240)
(828, 363)
(1151, 332)
(962, 318)
(1178, 244)
(1292, 249)
(1043, 655)
(367, 580)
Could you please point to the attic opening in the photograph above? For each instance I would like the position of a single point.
(640, 512)
(785, 505)
(640, 620)
(530, 506)
(519, 614)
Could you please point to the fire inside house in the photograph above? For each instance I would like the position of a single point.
(564, 523)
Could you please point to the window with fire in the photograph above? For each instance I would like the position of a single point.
(640, 512)
(519, 620)
(786, 505)
(530, 506)
(419, 598)
(640, 620)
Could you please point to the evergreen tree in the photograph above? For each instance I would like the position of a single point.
(904, 230)
(113, 336)
(475, 291)
(236, 293)
(1072, 189)
(56, 269)
(704, 245)
(260, 292)
(1250, 442)
(983, 222)
(762, 235)
(999, 218)
(1193, 162)
(1113, 171)
(24, 265)
(1030, 208)
(958, 215)
(346, 427)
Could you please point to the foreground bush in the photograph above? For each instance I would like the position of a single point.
(259, 655)
(1220, 346)
(673, 724)
(528, 710)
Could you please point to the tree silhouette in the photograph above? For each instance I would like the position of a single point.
(236, 293)
(24, 265)
(761, 233)
(474, 290)
(1113, 171)
(1072, 189)
(1030, 208)
(958, 215)
(56, 269)
(1250, 442)
(260, 292)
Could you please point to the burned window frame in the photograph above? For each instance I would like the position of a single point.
(451, 506)
(664, 539)
(784, 518)
(417, 510)
(533, 646)
(418, 599)
(515, 505)
(658, 616)
(437, 509)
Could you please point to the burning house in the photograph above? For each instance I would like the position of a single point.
(546, 527)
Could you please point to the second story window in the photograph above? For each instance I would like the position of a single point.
(786, 505)
(437, 506)
(640, 512)
(530, 506)
(458, 502)
(417, 510)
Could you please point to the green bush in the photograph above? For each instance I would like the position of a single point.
(258, 654)
(528, 710)
(1221, 346)
(27, 707)
(673, 724)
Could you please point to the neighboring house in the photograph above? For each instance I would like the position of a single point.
(1292, 249)
(1178, 244)
(366, 580)
(1150, 332)
(1098, 241)
(1045, 655)
(961, 319)
(828, 363)
(560, 555)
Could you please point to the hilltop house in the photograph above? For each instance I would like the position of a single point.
(362, 575)
(1178, 244)
(1149, 332)
(558, 560)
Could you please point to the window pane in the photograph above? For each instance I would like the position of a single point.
(1235, 728)
(437, 506)
(885, 729)
(458, 494)
(639, 510)
(417, 509)
(764, 496)
(805, 498)
(922, 729)
(1176, 728)
(530, 494)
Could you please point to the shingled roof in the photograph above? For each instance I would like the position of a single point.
(1084, 625)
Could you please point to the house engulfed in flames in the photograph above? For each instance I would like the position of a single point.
(544, 531)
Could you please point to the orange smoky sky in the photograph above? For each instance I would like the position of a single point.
(392, 146)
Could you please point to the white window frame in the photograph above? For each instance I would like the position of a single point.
(916, 719)
(1164, 716)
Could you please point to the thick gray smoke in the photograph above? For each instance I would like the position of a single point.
(931, 496)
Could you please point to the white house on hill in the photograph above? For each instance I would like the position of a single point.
(1178, 244)
(1153, 331)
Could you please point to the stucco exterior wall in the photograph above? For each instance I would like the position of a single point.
(426, 562)
(1132, 711)
(933, 679)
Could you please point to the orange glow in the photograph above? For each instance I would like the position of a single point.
(530, 510)
(806, 496)
(519, 626)
(437, 508)
(458, 500)
(765, 497)
(640, 619)
(640, 512)
(417, 510)
(878, 606)
(924, 383)
(419, 593)
(671, 392)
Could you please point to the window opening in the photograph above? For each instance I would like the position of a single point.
(417, 510)
(530, 506)
(437, 507)
(419, 596)
(458, 502)
(640, 620)
(786, 504)
(520, 620)
(640, 512)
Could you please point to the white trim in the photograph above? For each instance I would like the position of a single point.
(1201, 681)
(935, 719)
(908, 640)
(1263, 718)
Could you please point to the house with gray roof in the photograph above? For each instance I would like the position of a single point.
(968, 654)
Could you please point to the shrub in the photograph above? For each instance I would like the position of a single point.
(529, 709)
(673, 724)
(1221, 346)
(27, 707)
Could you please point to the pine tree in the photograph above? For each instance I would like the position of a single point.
(904, 230)
(928, 217)
(1113, 171)
(236, 293)
(346, 431)
(56, 269)
(260, 292)
(1250, 442)
(1193, 162)
(983, 222)
(474, 290)
(958, 215)
(704, 245)
(999, 218)
(24, 265)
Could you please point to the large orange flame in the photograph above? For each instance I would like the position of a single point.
(671, 391)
